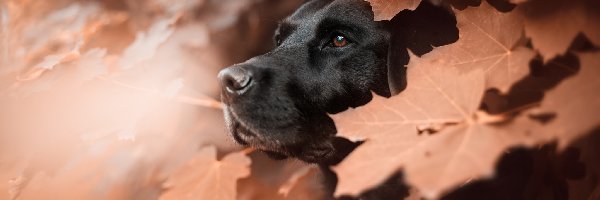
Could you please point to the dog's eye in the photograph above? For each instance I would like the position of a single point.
(339, 41)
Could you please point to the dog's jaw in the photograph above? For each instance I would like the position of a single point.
(312, 152)
(243, 134)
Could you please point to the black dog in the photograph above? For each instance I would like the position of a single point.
(330, 56)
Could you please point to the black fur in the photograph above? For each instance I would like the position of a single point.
(281, 101)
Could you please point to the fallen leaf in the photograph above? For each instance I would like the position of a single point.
(387, 9)
(271, 179)
(146, 44)
(462, 4)
(529, 91)
(306, 183)
(585, 186)
(445, 89)
(444, 93)
(204, 177)
(518, 1)
(500, 5)
(576, 102)
(467, 148)
(91, 64)
(490, 40)
(553, 24)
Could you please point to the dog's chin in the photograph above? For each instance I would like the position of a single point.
(244, 135)
(312, 151)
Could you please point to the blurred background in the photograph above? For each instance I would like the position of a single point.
(103, 99)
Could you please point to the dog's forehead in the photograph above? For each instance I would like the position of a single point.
(311, 14)
(316, 8)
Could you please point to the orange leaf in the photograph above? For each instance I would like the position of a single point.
(490, 40)
(203, 177)
(387, 9)
(553, 24)
(444, 91)
(576, 102)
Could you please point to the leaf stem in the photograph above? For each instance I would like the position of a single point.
(248, 150)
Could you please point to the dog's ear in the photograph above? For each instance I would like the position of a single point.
(419, 31)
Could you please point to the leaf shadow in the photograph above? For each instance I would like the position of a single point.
(540, 173)
(419, 31)
(500, 5)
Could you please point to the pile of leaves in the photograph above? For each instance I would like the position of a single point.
(107, 99)
(499, 86)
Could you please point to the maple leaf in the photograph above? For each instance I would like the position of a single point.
(387, 9)
(203, 177)
(501, 5)
(91, 64)
(468, 143)
(146, 43)
(552, 25)
(444, 91)
(491, 40)
(462, 4)
(518, 1)
(304, 184)
(587, 150)
(575, 102)
(466, 148)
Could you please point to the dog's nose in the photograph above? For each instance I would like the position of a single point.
(235, 79)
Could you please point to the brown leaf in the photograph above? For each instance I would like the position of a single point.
(387, 9)
(444, 91)
(432, 163)
(529, 91)
(462, 4)
(267, 177)
(518, 1)
(576, 102)
(146, 43)
(553, 24)
(203, 177)
(586, 153)
(491, 40)
(304, 184)
(500, 5)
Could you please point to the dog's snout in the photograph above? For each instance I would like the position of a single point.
(235, 80)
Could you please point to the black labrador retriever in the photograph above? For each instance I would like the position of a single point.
(330, 55)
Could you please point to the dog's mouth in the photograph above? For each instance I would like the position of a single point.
(243, 134)
(301, 147)
(240, 132)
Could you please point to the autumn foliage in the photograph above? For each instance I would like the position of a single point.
(107, 99)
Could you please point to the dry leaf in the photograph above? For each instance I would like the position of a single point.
(387, 9)
(306, 183)
(584, 175)
(462, 4)
(518, 1)
(146, 44)
(466, 149)
(445, 88)
(553, 24)
(91, 64)
(490, 40)
(203, 177)
(576, 102)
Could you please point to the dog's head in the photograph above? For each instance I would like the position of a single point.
(329, 56)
